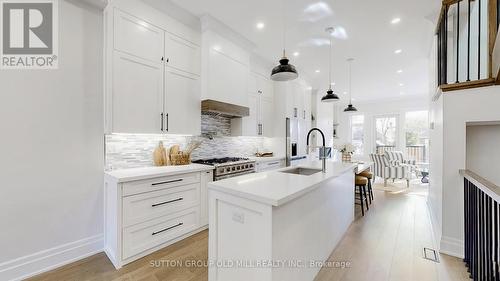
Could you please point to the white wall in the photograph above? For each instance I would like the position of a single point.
(483, 151)
(52, 151)
(435, 197)
(460, 107)
(369, 109)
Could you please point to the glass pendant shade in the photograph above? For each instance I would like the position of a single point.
(330, 96)
(284, 71)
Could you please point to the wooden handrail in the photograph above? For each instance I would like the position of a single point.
(493, 70)
(486, 186)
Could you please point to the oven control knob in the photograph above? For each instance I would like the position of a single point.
(238, 168)
(228, 169)
(251, 165)
(246, 166)
(233, 168)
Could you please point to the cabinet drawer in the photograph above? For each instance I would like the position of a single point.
(144, 236)
(150, 205)
(136, 187)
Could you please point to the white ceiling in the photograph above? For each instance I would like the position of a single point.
(372, 39)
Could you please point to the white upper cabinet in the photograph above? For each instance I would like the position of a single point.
(137, 95)
(137, 37)
(267, 117)
(182, 102)
(182, 54)
(152, 74)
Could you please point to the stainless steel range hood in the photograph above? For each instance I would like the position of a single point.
(214, 107)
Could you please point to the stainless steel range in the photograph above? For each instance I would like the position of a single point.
(229, 167)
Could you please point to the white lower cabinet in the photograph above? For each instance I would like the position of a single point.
(142, 216)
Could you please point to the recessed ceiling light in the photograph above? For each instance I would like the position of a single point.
(296, 54)
(260, 25)
(401, 84)
(317, 71)
(395, 20)
(398, 51)
(344, 93)
(333, 83)
(400, 71)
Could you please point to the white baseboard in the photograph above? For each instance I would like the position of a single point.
(49, 259)
(451, 246)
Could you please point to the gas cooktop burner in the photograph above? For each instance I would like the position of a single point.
(223, 160)
(228, 167)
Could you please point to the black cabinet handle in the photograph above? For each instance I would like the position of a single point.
(161, 121)
(167, 202)
(273, 163)
(167, 122)
(168, 228)
(165, 182)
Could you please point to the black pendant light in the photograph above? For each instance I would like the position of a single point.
(350, 107)
(330, 95)
(284, 71)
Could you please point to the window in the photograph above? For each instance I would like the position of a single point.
(417, 135)
(357, 133)
(386, 133)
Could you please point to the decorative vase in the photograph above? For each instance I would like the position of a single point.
(346, 157)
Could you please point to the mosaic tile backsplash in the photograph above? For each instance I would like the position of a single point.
(132, 151)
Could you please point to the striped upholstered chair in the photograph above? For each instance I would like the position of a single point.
(396, 158)
(385, 169)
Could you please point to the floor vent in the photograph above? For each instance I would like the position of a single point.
(431, 254)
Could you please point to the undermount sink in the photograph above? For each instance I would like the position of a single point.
(301, 171)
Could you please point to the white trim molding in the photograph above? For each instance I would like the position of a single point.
(452, 246)
(33, 264)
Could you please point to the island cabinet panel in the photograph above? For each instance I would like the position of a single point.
(295, 229)
(142, 216)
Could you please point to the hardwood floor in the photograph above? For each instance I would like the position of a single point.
(386, 244)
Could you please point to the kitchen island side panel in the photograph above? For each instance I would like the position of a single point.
(309, 228)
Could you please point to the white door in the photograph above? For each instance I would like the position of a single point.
(182, 102)
(137, 37)
(267, 113)
(182, 54)
(137, 96)
(250, 123)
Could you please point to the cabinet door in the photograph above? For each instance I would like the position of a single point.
(267, 110)
(266, 87)
(182, 102)
(182, 54)
(250, 123)
(137, 95)
(137, 37)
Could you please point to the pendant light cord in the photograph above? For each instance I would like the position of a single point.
(330, 73)
(284, 27)
(350, 80)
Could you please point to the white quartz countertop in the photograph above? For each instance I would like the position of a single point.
(266, 159)
(133, 174)
(277, 188)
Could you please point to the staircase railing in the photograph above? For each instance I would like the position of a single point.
(481, 226)
(465, 38)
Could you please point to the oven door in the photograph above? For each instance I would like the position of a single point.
(217, 178)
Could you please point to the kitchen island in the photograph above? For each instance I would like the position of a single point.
(278, 225)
